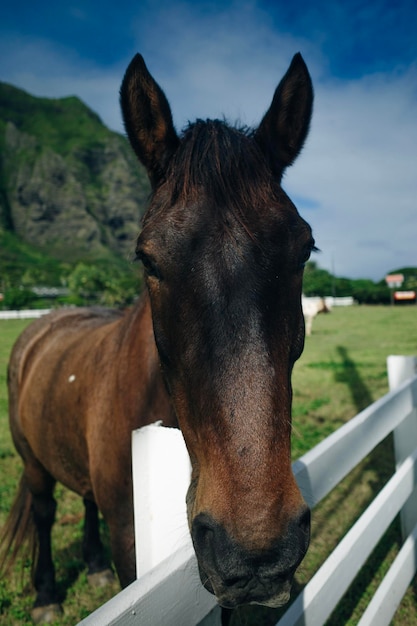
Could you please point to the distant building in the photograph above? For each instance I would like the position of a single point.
(394, 281)
(405, 296)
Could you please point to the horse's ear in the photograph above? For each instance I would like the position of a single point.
(148, 119)
(284, 128)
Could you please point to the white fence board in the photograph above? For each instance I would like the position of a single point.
(170, 594)
(318, 599)
(24, 314)
(387, 599)
(346, 447)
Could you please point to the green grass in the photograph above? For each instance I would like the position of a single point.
(342, 370)
(345, 360)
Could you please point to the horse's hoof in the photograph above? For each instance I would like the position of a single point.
(101, 579)
(46, 614)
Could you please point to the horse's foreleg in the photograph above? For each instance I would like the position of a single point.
(99, 571)
(123, 552)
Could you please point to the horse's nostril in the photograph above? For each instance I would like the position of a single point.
(304, 521)
(203, 530)
(204, 537)
(217, 553)
(300, 528)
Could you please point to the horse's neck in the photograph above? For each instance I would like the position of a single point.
(139, 360)
(135, 334)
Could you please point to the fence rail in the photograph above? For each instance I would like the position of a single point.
(24, 314)
(171, 593)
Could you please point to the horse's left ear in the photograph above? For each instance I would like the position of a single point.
(284, 128)
(148, 119)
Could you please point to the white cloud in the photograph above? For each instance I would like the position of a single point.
(360, 167)
(45, 68)
(214, 65)
(357, 172)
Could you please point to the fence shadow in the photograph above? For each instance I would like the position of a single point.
(349, 374)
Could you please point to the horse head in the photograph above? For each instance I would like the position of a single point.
(223, 248)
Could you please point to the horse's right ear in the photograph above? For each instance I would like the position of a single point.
(148, 119)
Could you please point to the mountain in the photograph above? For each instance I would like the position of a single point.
(69, 187)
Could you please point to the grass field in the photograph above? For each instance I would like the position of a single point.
(342, 370)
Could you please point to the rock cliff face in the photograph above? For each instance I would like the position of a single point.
(67, 184)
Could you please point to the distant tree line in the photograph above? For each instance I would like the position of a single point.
(85, 284)
(319, 282)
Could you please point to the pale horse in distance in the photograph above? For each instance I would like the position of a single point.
(312, 307)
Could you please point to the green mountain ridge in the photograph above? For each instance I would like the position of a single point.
(69, 187)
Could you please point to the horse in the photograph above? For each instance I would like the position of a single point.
(311, 308)
(209, 347)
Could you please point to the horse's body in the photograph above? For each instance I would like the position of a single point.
(311, 308)
(212, 345)
(62, 368)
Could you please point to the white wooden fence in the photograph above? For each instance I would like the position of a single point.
(24, 314)
(171, 594)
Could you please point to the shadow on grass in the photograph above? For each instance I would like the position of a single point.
(70, 564)
(380, 464)
(349, 374)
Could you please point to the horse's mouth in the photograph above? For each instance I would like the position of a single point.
(236, 575)
(272, 594)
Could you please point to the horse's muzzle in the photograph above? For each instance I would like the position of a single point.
(237, 575)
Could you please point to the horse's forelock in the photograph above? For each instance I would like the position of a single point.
(223, 163)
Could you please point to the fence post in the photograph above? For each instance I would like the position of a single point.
(400, 368)
(161, 471)
(161, 475)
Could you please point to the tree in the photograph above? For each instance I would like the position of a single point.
(104, 285)
(317, 282)
(16, 298)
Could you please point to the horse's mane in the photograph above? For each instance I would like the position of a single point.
(224, 164)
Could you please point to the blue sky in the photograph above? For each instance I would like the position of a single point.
(356, 180)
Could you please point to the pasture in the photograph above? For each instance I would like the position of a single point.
(342, 370)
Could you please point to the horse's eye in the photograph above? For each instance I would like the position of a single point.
(303, 259)
(150, 266)
(306, 254)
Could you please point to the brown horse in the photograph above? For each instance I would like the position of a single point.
(211, 344)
